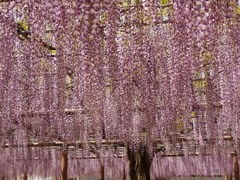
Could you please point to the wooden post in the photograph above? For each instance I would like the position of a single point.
(64, 163)
(25, 177)
(101, 172)
(124, 174)
(236, 168)
(228, 177)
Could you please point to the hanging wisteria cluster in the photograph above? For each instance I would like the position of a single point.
(165, 76)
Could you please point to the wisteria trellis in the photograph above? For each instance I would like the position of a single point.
(132, 72)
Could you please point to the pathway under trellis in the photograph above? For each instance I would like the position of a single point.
(132, 162)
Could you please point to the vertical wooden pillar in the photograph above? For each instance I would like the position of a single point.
(102, 172)
(228, 177)
(25, 177)
(236, 168)
(124, 174)
(64, 163)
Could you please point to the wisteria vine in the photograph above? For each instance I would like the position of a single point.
(142, 72)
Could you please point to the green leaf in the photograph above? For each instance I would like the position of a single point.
(53, 52)
(25, 26)
(193, 114)
(108, 88)
(136, 2)
(238, 10)
(199, 85)
(124, 3)
(164, 2)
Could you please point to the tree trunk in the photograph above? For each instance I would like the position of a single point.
(139, 163)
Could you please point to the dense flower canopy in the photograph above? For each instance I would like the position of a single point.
(162, 73)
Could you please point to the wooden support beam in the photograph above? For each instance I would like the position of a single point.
(64, 167)
(102, 172)
(236, 167)
(78, 144)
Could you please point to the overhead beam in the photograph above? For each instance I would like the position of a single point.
(60, 144)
